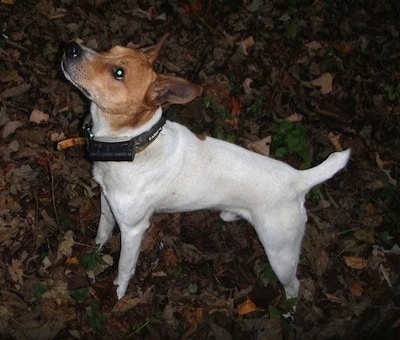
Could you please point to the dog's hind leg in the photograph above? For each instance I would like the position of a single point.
(281, 237)
(106, 224)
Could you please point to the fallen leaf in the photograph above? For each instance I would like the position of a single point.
(38, 116)
(355, 262)
(72, 260)
(246, 85)
(335, 141)
(219, 332)
(261, 146)
(15, 269)
(247, 307)
(334, 298)
(10, 127)
(9, 75)
(381, 165)
(193, 316)
(246, 44)
(15, 91)
(170, 258)
(324, 82)
(294, 117)
(314, 45)
(236, 111)
(345, 47)
(125, 304)
(57, 13)
(66, 244)
(355, 289)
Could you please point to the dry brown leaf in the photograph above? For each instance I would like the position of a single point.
(170, 259)
(314, 45)
(345, 47)
(365, 235)
(15, 91)
(355, 262)
(193, 318)
(247, 85)
(10, 127)
(247, 307)
(324, 82)
(38, 116)
(334, 298)
(15, 269)
(9, 75)
(355, 289)
(335, 141)
(246, 44)
(294, 117)
(66, 244)
(381, 165)
(125, 304)
(57, 13)
(236, 111)
(261, 146)
(73, 260)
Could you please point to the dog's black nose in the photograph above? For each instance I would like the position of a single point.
(73, 50)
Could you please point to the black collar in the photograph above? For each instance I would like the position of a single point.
(119, 151)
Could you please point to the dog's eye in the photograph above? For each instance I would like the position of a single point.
(118, 73)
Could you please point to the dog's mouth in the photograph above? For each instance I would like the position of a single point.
(68, 76)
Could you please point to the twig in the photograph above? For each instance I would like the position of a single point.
(53, 198)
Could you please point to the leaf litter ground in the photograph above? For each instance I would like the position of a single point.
(294, 79)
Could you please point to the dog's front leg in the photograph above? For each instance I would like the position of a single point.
(107, 222)
(131, 238)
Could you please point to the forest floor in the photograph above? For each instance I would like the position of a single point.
(293, 79)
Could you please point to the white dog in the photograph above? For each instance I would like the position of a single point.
(145, 164)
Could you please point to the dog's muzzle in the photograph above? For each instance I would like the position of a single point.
(70, 65)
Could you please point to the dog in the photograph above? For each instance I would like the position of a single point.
(145, 164)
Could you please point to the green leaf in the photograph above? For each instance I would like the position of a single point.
(95, 317)
(79, 294)
(273, 311)
(92, 259)
(193, 288)
(39, 289)
(281, 152)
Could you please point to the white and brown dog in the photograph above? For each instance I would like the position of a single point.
(145, 164)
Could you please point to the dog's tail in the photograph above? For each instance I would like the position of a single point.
(325, 170)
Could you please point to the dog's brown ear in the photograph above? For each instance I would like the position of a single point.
(171, 90)
(152, 51)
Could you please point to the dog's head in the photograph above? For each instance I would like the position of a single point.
(122, 82)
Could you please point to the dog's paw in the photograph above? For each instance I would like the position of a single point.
(121, 289)
(100, 240)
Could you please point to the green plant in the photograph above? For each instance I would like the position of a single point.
(142, 326)
(95, 317)
(92, 259)
(292, 30)
(255, 109)
(289, 139)
(393, 93)
(39, 289)
(269, 275)
(219, 110)
(79, 295)
(330, 59)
